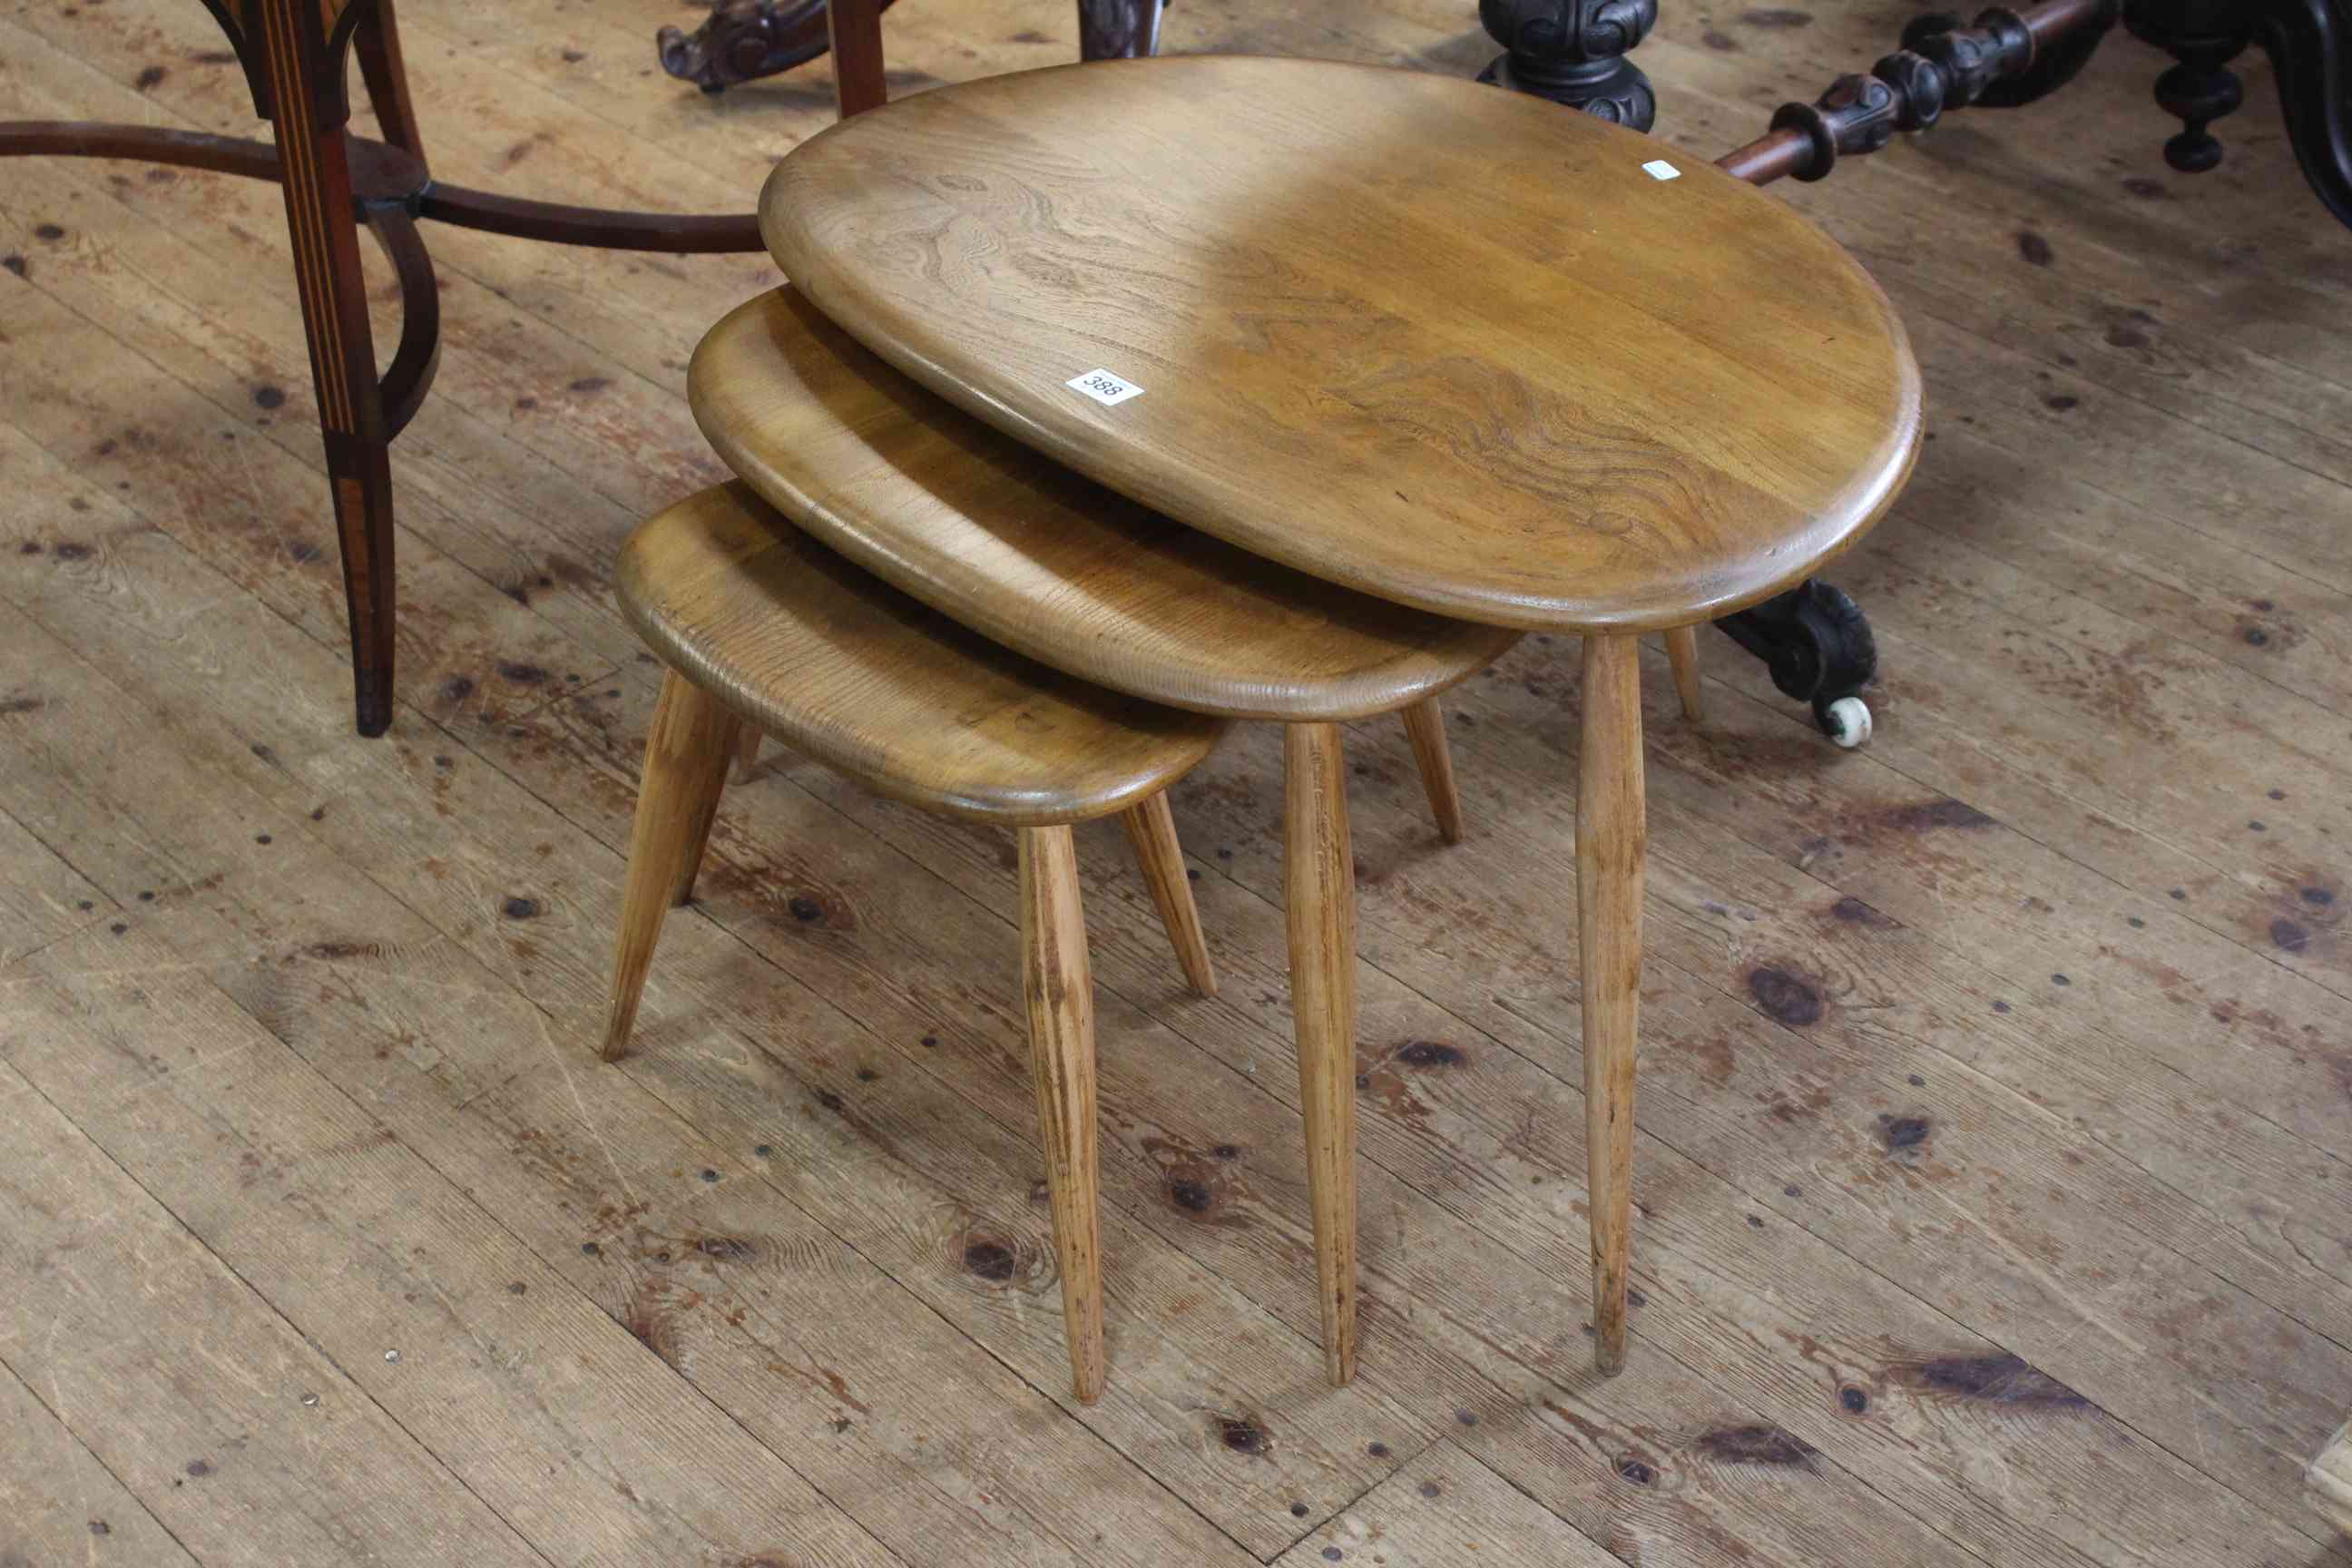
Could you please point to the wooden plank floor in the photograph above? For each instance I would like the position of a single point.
(1997, 1096)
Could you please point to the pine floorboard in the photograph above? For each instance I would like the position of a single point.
(1996, 1112)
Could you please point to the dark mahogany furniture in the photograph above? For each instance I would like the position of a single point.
(747, 39)
(294, 53)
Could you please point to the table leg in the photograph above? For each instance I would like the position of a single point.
(1059, 993)
(1159, 856)
(686, 769)
(306, 101)
(1681, 653)
(1611, 846)
(1319, 897)
(1424, 726)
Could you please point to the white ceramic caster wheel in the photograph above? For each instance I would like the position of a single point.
(1848, 721)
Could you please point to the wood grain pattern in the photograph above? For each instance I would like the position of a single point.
(1585, 399)
(115, 1286)
(1319, 902)
(1443, 1508)
(2094, 1310)
(1059, 993)
(846, 670)
(1611, 852)
(1682, 656)
(1152, 832)
(1037, 557)
(686, 755)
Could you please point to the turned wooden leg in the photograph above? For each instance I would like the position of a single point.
(1319, 898)
(1681, 652)
(1151, 829)
(686, 767)
(1611, 846)
(747, 753)
(1425, 724)
(376, 40)
(1060, 995)
(324, 229)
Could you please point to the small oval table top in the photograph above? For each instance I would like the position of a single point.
(846, 669)
(1446, 344)
(1040, 559)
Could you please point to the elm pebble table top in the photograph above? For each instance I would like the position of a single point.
(1040, 559)
(1444, 344)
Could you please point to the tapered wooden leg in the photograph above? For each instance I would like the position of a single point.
(706, 816)
(747, 753)
(1425, 724)
(1681, 652)
(686, 767)
(1059, 991)
(1151, 829)
(1612, 850)
(320, 221)
(376, 40)
(1319, 898)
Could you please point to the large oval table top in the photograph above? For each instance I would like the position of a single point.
(1446, 344)
(1038, 558)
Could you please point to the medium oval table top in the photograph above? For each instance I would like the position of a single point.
(844, 668)
(1442, 343)
(1040, 559)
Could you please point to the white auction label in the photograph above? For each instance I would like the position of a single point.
(1659, 169)
(1104, 387)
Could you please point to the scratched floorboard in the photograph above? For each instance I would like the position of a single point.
(1994, 1137)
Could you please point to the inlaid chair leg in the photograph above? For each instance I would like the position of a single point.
(1152, 830)
(747, 753)
(1425, 724)
(376, 40)
(686, 768)
(1319, 898)
(1059, 993)
(1681, 652)
(1612, 850)
(315, 172)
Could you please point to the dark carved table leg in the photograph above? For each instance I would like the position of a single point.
(1573, 52)
(2204, 37)
(2310, 46)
